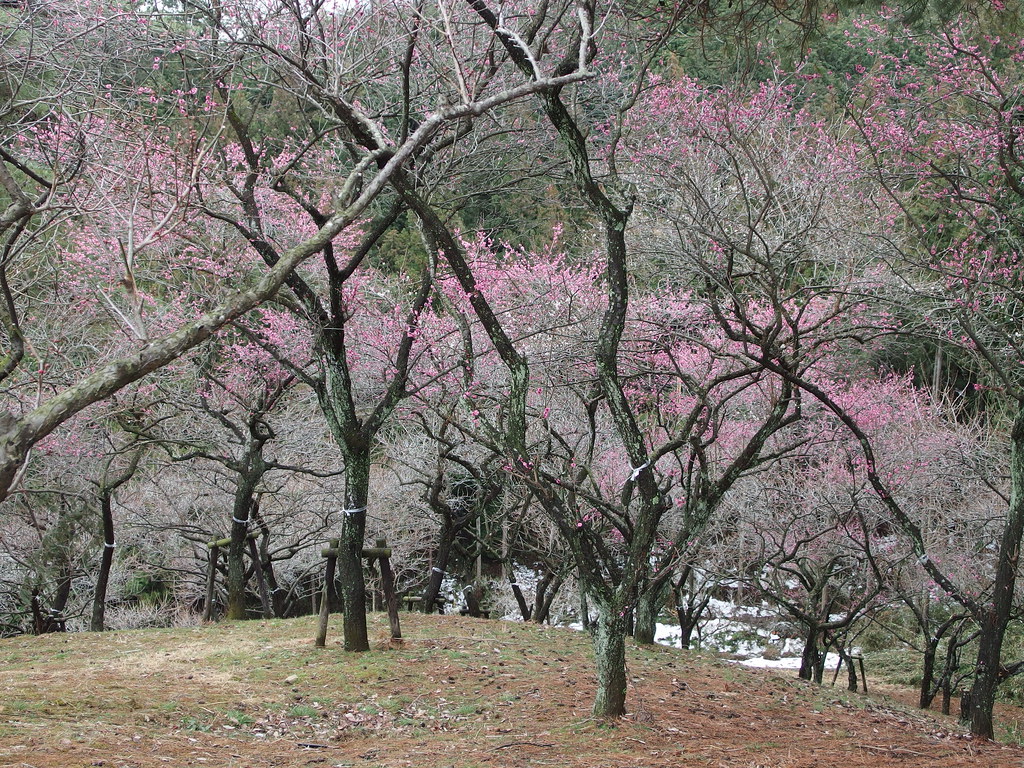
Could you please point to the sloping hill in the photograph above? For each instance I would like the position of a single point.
(457, 693)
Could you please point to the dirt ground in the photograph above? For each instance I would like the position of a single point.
(457, 693)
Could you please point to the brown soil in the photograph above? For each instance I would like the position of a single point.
(458, 693)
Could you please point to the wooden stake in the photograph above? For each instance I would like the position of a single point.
(211, 581)
(387, 580)
(225, 542)
(325, 601)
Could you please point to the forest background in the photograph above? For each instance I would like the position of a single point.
(647, 302)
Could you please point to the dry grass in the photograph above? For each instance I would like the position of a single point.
(458, 693)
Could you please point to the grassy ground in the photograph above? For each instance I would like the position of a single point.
(458, 693)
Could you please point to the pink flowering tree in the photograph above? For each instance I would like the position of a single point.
(817, 563)
(229, 402)
(614, 575)
(929, 203)
(62, 534)
(189, 76)
(683, 384)
(407, 130)
(939, 131)
(830, 553)
(611, 575)
(738, 191)
(950, 475)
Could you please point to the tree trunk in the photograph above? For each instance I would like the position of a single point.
(851, 674)
(39, 621)
(688, 609)
(525, 610)
(610, 660)
(967, 708)
(543, 608)
(951, 663)
(63, 594)
(236, 549)
(236, 572)
(325, 602)
(279, 597)
(928, 674)
(99, 600)
(687, 623)
(446, 538)
(279, 602)
(810, 660)
(645, 627)
(982, 698)
(648, 607)
(211, 582)
(997, 616)
(540, 592)
(387, 580)
(350, 553)
(51, 620)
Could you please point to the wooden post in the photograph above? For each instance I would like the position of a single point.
(853, 661)
(410, 602)
(387, 580)
(211, 581)
(261, 582)
(838, 667)
(325, 604)
(382, 552)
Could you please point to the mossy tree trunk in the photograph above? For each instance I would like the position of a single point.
(350, 551)
(355, 429)
(236, 550)
(812, 659)
(997, 614)
(610, 661)
(648, 607)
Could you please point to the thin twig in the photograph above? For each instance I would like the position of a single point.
(521, 744)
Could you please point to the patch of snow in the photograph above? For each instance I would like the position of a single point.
(730, 634)
(729, 609)
(792, 647)
(790, 662)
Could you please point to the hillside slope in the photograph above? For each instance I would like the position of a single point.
(457, 693)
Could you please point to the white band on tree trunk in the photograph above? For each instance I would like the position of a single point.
(354, 511)
(638, 470)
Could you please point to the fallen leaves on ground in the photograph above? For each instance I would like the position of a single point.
(457, 693)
